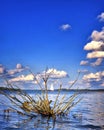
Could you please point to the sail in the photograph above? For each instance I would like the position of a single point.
(51, 88)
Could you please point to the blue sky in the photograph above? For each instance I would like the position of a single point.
(45, 33)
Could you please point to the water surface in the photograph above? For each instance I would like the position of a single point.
(87, 115)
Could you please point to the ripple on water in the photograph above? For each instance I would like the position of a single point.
(87, 115)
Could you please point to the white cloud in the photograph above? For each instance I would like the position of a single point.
(29, 77)
(65, 27)
(94, 45)
(97, 36)
(101, 16)
(97, 62)
(84, 62)
(56, 73)
(94, 76)
(95, 54)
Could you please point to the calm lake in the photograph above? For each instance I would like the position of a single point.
(86, 115)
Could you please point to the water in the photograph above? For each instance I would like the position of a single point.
(87, 115)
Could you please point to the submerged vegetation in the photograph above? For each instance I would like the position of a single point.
(25, 104)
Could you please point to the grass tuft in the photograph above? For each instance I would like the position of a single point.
(24, 104)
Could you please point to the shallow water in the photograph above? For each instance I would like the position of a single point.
(87, 115)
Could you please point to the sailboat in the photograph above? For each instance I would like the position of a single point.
(51, 88)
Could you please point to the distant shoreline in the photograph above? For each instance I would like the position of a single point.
(77, 90)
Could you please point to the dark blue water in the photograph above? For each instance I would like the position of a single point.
(87, 115)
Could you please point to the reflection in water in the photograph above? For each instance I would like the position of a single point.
(87, 115)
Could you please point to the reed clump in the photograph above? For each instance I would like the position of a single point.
(24, 104)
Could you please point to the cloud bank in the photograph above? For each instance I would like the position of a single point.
(96, 48)
(10, 73)
(52, 73)
(95, 57)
